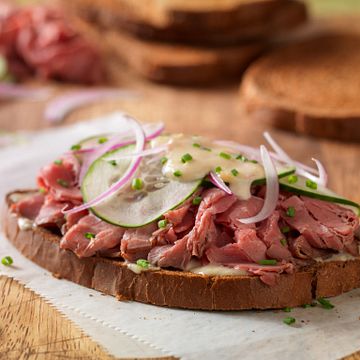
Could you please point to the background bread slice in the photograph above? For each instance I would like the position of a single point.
(193, 21)
(311, 86)
(177, 288)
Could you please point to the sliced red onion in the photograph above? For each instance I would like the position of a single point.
(140, 145)
(283, 156)
(272, 189)
(10, 91)
(146, 152)
(59, 108)
(323, 176)
(218, 182)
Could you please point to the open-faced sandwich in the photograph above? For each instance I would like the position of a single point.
(184, 221)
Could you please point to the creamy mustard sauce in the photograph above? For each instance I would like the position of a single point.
(341, 256)
(217, 270)
(25, 224)
(191, 158)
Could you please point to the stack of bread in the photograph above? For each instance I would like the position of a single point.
(189, 42)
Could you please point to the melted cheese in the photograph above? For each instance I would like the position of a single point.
(206, 156)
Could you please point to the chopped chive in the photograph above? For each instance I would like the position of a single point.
(58, 162)
(267, 262)
(75, 147)
(102, 140)
(285, 229)
(63, 183)
(196, 145)
(289, 320)
(206, 148)
(253, 161)
(287, 309)
(142, 263)
(7, 260)
(137, 184)
(162, 223)
(241, 157)
(42, 190)
(218, 169)
(292, 179)
(225, 155)
(186, 158)
(234, 172)
(164, 160)
(197, 200)
(89, 235)
(283, 242)
(177, 173)
(311, 184)
(290, 211)
(326, 304)
(113, 162)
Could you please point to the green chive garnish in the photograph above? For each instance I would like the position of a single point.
(225, 155)
(197, 200)
(177, 173)
(196, 145)
(89, 235)
(164, 160)
(285, 229)
(206, 148)
(290, 211)
(326, 304)
(234, 172)
(283, 242)
(287, 309)
(267, 262)
(102, 140)
(253, 161)
(218, 169)
(186, 158)
(7, 260)
(241, 157)
(137, 184)
(63, 183)
(292, 179)
(162, 223)
(142, 263)
(42, 190)
(58, 162)
(112, 162)
(75, 147)
(311, 184)
(289, 320)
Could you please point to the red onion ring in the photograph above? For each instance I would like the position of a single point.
(323, 176)
(12, 91)
(272, 189)
(140, 145)
(218, 182)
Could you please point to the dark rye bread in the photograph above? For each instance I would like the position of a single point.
(311, 86)
(181, 64)
(176, 288)
(193, 21)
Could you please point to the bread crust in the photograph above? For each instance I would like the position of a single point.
(177, 288)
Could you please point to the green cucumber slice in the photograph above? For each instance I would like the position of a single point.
(134, 208)
(282, 172)
(321, 193)
(92, 141)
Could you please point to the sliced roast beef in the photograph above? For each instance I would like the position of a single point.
(301, 249)
(90, 235)
(136, 243)
(29, 206)
(72, 219)
(50, 214)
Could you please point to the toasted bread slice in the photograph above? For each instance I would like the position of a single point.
(194, 21)
(311, 86)
(175, 288)
(180, 64)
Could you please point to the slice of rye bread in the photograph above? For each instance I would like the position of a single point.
(311, 86)
(194, 21)
(180, 64)
(180, 289)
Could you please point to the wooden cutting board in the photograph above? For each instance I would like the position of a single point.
(30, 328)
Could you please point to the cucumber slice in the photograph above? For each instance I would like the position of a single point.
(320, 193)
(282, 172)
(134, 208)
(94, 140)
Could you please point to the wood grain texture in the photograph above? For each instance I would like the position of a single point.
(214, 112)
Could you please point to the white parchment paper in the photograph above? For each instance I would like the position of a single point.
(317, 334)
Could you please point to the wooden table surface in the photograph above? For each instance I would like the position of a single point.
(30, 328)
